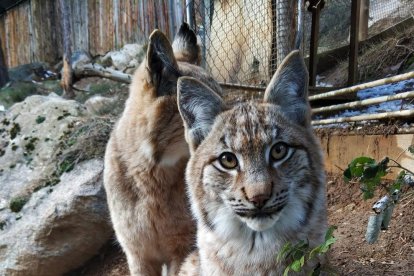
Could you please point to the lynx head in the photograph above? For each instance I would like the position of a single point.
(254, 164)
(166, 62)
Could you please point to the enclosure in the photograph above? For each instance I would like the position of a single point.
(360, 55)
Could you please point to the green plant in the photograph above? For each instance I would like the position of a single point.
(369, 173)
(299, 254)
(40, 119)
(17, 203)
(16, 93)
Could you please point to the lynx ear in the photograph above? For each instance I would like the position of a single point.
(185, 45)
(161, 62)
(199, 106)
(289, 89)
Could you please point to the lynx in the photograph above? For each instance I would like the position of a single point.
(146, 157)
(255, 176)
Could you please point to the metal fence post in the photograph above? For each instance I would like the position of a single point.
(189, 4)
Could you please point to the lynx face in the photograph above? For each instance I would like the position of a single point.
(259, 169)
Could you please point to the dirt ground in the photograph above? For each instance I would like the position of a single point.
(393, 254)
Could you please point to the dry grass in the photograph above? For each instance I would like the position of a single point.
(378, 60)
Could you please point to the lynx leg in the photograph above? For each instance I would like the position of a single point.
(143, 267)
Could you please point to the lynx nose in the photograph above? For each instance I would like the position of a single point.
(259, 200)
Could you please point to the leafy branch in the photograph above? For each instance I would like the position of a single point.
(301, 253)
(369, 174)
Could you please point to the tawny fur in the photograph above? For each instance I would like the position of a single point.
(247, 213)
(146, 157)
(240, 41)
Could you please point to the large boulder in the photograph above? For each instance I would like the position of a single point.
(53, 213)
(58, 228)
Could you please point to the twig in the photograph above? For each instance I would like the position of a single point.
(400, 166)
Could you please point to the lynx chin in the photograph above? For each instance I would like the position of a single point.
(146, 157)
(255, 176)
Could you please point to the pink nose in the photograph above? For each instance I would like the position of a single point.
(259, 200)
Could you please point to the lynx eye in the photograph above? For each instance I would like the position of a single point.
(228, 160)
(278, 151)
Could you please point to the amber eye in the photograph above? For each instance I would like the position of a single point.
(228, 160)
(278, 151)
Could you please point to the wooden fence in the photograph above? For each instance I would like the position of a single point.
(32, 31)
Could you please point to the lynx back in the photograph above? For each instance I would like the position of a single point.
(146, 157)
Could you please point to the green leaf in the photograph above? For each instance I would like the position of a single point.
(329, 232)
(411, 149)
(296, 266)
(325, 247)
(367, 195)
(284, 251)
(302, 261)
(286, 272)
(370, 171)
(357, 166)
(347, 175)
(314, 252)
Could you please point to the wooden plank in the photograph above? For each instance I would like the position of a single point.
(17, 34)
(340, 150)
(46, 30)
(32, 31)
(79, 23)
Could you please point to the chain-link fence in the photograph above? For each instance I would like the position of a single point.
(240, 39)
(236, 38)
(335, 20)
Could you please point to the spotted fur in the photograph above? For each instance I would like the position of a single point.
(247, 213)
(146, 157)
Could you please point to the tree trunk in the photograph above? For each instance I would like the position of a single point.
(4, 74)
(66, 81)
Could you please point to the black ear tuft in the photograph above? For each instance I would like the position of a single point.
(185, 45)
(187, 34)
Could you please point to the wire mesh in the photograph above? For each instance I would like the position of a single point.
(236, 39)
(241, 40)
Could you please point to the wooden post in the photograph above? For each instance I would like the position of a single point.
(66, 81)
(353, 45)
(4, 74)
(315, 7)
(363, 20)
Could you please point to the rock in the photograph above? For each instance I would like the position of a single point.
(31, 133)
(50, 221)
(99, 105)
(80, 58)
(31, 72)
(60, 227)
(129, 57)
